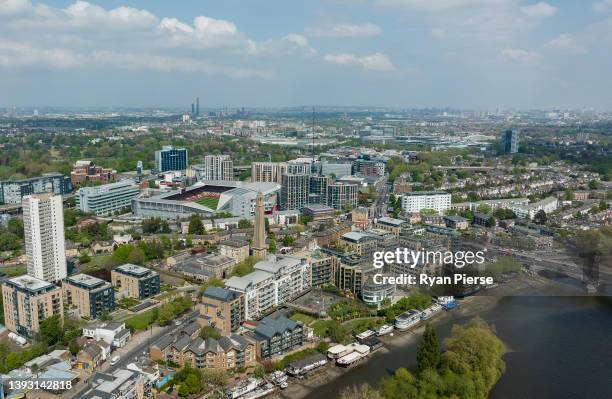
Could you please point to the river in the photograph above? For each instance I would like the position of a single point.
(559, 347)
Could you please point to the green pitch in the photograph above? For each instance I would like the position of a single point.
(210, 202)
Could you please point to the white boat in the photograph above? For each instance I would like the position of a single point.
(243, 387)
(260, 392)
(337, 351)
(431, 311)
(359, 352)
(407, 319)
(384, 330)
(364, 335)
(303, 366)
(278, 377)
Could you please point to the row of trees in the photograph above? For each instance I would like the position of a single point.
(468, 368)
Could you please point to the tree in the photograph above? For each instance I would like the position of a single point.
(491, 222)
(504, 214)
(363, 391)
(136, 257)
(244, 224)
(603, 205)
(288, 240)
(569, 195)
(209, 332)
(74, 347)
(15, 226)
(51, 330)
(593, 185)
(70, 218)
(428, 351)
(195, 225)
(540, 217)
(272, 246)
(84, 258)
(483, 208)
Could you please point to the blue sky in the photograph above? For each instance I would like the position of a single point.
(471, 54)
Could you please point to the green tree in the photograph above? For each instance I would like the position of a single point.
(51, 330)
(209, 332)
(70, 218)
(483, 208)
(272, 246)
(540, 217)
(593, 185)
(288, 241)
(195, 225)
(244, 224)
(74, 347)
(428, 352)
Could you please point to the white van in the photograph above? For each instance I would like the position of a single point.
(114, 360)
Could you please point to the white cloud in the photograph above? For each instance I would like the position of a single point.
(375, 62)
(11, 7)
(473, 20)
(539, 10)
(602, 6)
(566, 42)
(346, 30)
(88, 35)
(521, 56)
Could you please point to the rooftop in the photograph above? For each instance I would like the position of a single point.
(86, 281)
(269, 327)
(391, 221)
(134, 270)
(31, 283)
(221, 294)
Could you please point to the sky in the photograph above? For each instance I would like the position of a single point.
(467, 54)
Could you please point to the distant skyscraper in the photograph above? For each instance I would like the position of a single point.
(192, 109)
(260, 248)
(218, 167)
(197, 113)
(170, 158)
(511, 141)
(43, 223)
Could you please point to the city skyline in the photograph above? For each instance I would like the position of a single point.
(467, 54)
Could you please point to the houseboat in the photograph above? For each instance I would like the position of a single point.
(447, 302)
(407, 319)
(303, 366)
(365, 335)
(337, 351)
(431, 311)
(243, 387)
(384, 330)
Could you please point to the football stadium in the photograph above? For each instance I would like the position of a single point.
(208, 198)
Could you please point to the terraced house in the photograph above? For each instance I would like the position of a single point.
(277, 336)
(228, 352)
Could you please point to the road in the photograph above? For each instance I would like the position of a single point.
(136, 347)
(379, 208)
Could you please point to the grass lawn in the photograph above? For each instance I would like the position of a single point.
(14, 271)
(141, 321)
(304, 318)
(210, 202)
(127, 303)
